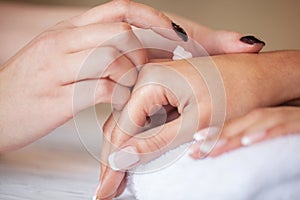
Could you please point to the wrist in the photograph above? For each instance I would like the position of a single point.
(258, 80)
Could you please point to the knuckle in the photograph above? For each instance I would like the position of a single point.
(123, 26)
(47, 39)
(160, 14)
(122, 3)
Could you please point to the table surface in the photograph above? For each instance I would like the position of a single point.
(62, 165)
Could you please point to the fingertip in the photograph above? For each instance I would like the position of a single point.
(222, 42)
(194, 151)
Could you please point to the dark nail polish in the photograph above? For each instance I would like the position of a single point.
(249, 39)
(180, 32)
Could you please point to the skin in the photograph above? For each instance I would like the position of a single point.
(272, 122)
(25, 20)
(246, 78)
(50, 63)
(58, 69)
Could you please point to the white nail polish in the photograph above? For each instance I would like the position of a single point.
(95, 198)
(124, 158)
(252, 138)
(209, 132)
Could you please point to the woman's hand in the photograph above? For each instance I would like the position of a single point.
(217, 42)
(257, 126)
(71, 66)
(181, 97)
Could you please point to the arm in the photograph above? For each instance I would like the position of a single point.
(55, 76)
(249, 81)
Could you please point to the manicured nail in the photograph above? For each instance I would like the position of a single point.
(249, 39)
(95, 198)
(124, 158)
(252, 138)
(180, 32)
(209, 132)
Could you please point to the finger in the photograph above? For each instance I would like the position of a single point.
(222, 42)
(149, 145)
(271, 131)
(118, 35)
(291, 127)
(136, 14)
(240, 124)
(103, 62)
(105, 150)
(105, 171)
(270, 126)
(111, 181)
(110, 184)
(91, 92)
(122, 187)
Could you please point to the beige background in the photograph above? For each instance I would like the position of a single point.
(275, 21)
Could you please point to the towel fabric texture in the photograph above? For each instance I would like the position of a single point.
(266, 171)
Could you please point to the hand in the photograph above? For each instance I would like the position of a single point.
(213, 41)
(257, 126)
(59, 73)
(194, 98)
(217, 42)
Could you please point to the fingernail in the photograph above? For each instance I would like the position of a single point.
(249, 39)
(180, 32)
(124, 158)
(252, 138)
(95, 198)
(209, 132)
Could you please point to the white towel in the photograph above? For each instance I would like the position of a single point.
(265, 171)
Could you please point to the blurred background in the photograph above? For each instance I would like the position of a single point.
(274, 21)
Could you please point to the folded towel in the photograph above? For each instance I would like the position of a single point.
(265, 171)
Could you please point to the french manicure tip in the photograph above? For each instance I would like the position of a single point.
(95, 198)
(246, 141)
(198, 137)
(111, 161)
(180, 32)
(123, 159)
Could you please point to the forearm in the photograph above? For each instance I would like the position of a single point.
(259, 80)
(20, 23)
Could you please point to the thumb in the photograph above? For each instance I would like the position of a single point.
(222, 42)
(149, 145)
